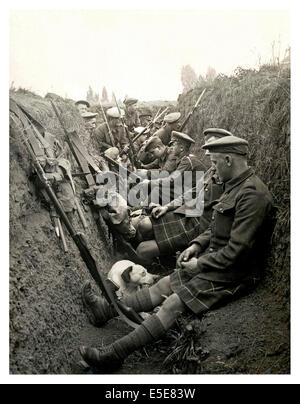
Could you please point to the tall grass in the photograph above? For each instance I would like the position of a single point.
(255, 105)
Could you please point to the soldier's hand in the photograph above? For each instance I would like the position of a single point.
(159, 211)
(190, 265)
(191, 252)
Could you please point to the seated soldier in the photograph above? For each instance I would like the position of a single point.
(164, 189)
(171, 228)
(101, 137)
(145, 117)
(161, 155)
(132, 119)
(171, 123)
(142, 139)
(163, 133)
(220, 264)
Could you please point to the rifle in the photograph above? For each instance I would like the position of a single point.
(130, 154)
(109, 130)
(147, 127)
(191, 112)
(83, 159)
(126, 313)
(150, 124)
(120, 167)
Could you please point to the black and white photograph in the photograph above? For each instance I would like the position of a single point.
(149, 172)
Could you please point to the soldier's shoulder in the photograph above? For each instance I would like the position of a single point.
(159, 131)
(254, 185)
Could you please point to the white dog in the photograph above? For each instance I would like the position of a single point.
(129, 277)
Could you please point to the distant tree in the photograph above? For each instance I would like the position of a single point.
(211, 74)
(188, 78)
(104, 97)
(91, 97)
(96, 98)
(201, 79)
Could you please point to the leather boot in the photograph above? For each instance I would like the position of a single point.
(99, 309)
(105, 361)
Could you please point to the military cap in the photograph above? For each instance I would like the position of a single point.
(153, 142)
(88, 115)
(172, 117)
(227, 144)
(114, 112)
(130, 101)
(217, 132)
(140, 129)
(83, 102)
(112, 152)
(181, 137)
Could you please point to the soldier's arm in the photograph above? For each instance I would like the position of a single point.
(251, 210)
(175, 172)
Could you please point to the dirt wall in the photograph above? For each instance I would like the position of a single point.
(46, 312)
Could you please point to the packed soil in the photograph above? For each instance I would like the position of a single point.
(248, 336)
(48, 321)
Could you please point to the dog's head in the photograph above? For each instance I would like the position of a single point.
(138, 275)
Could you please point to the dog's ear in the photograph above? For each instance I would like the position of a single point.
(126, 274)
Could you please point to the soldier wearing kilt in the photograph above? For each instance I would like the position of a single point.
(218, 265)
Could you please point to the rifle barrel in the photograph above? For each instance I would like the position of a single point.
(108, 127)
(128, 314)
(131, 155)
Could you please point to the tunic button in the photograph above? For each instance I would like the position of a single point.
(211, 249)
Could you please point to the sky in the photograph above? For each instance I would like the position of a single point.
(137, 52)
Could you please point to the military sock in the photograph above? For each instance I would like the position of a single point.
(139, 301)
(149, 331)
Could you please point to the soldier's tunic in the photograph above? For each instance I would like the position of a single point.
(167, 162)
(132, 120)
(101, 139)
(176, 229)
(163, 188)
(164, 134)
(233, 246)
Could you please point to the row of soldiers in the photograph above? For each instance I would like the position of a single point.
(110, 133)
(163, 149)
(222, 250)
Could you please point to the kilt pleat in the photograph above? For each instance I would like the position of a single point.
(200, 295)
(173, 232)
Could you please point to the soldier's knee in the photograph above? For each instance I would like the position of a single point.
(163, 286)
(145, 225)
(142, 249)
(173, 304)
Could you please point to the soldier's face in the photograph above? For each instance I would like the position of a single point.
(131, 108)
(157, 152)
(222, 165)
(114, 123)
(176, 147)
(82, 108)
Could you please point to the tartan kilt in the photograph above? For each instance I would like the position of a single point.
(201, 295)
(173, 232)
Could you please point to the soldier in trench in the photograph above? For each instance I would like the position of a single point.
(220, 264)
